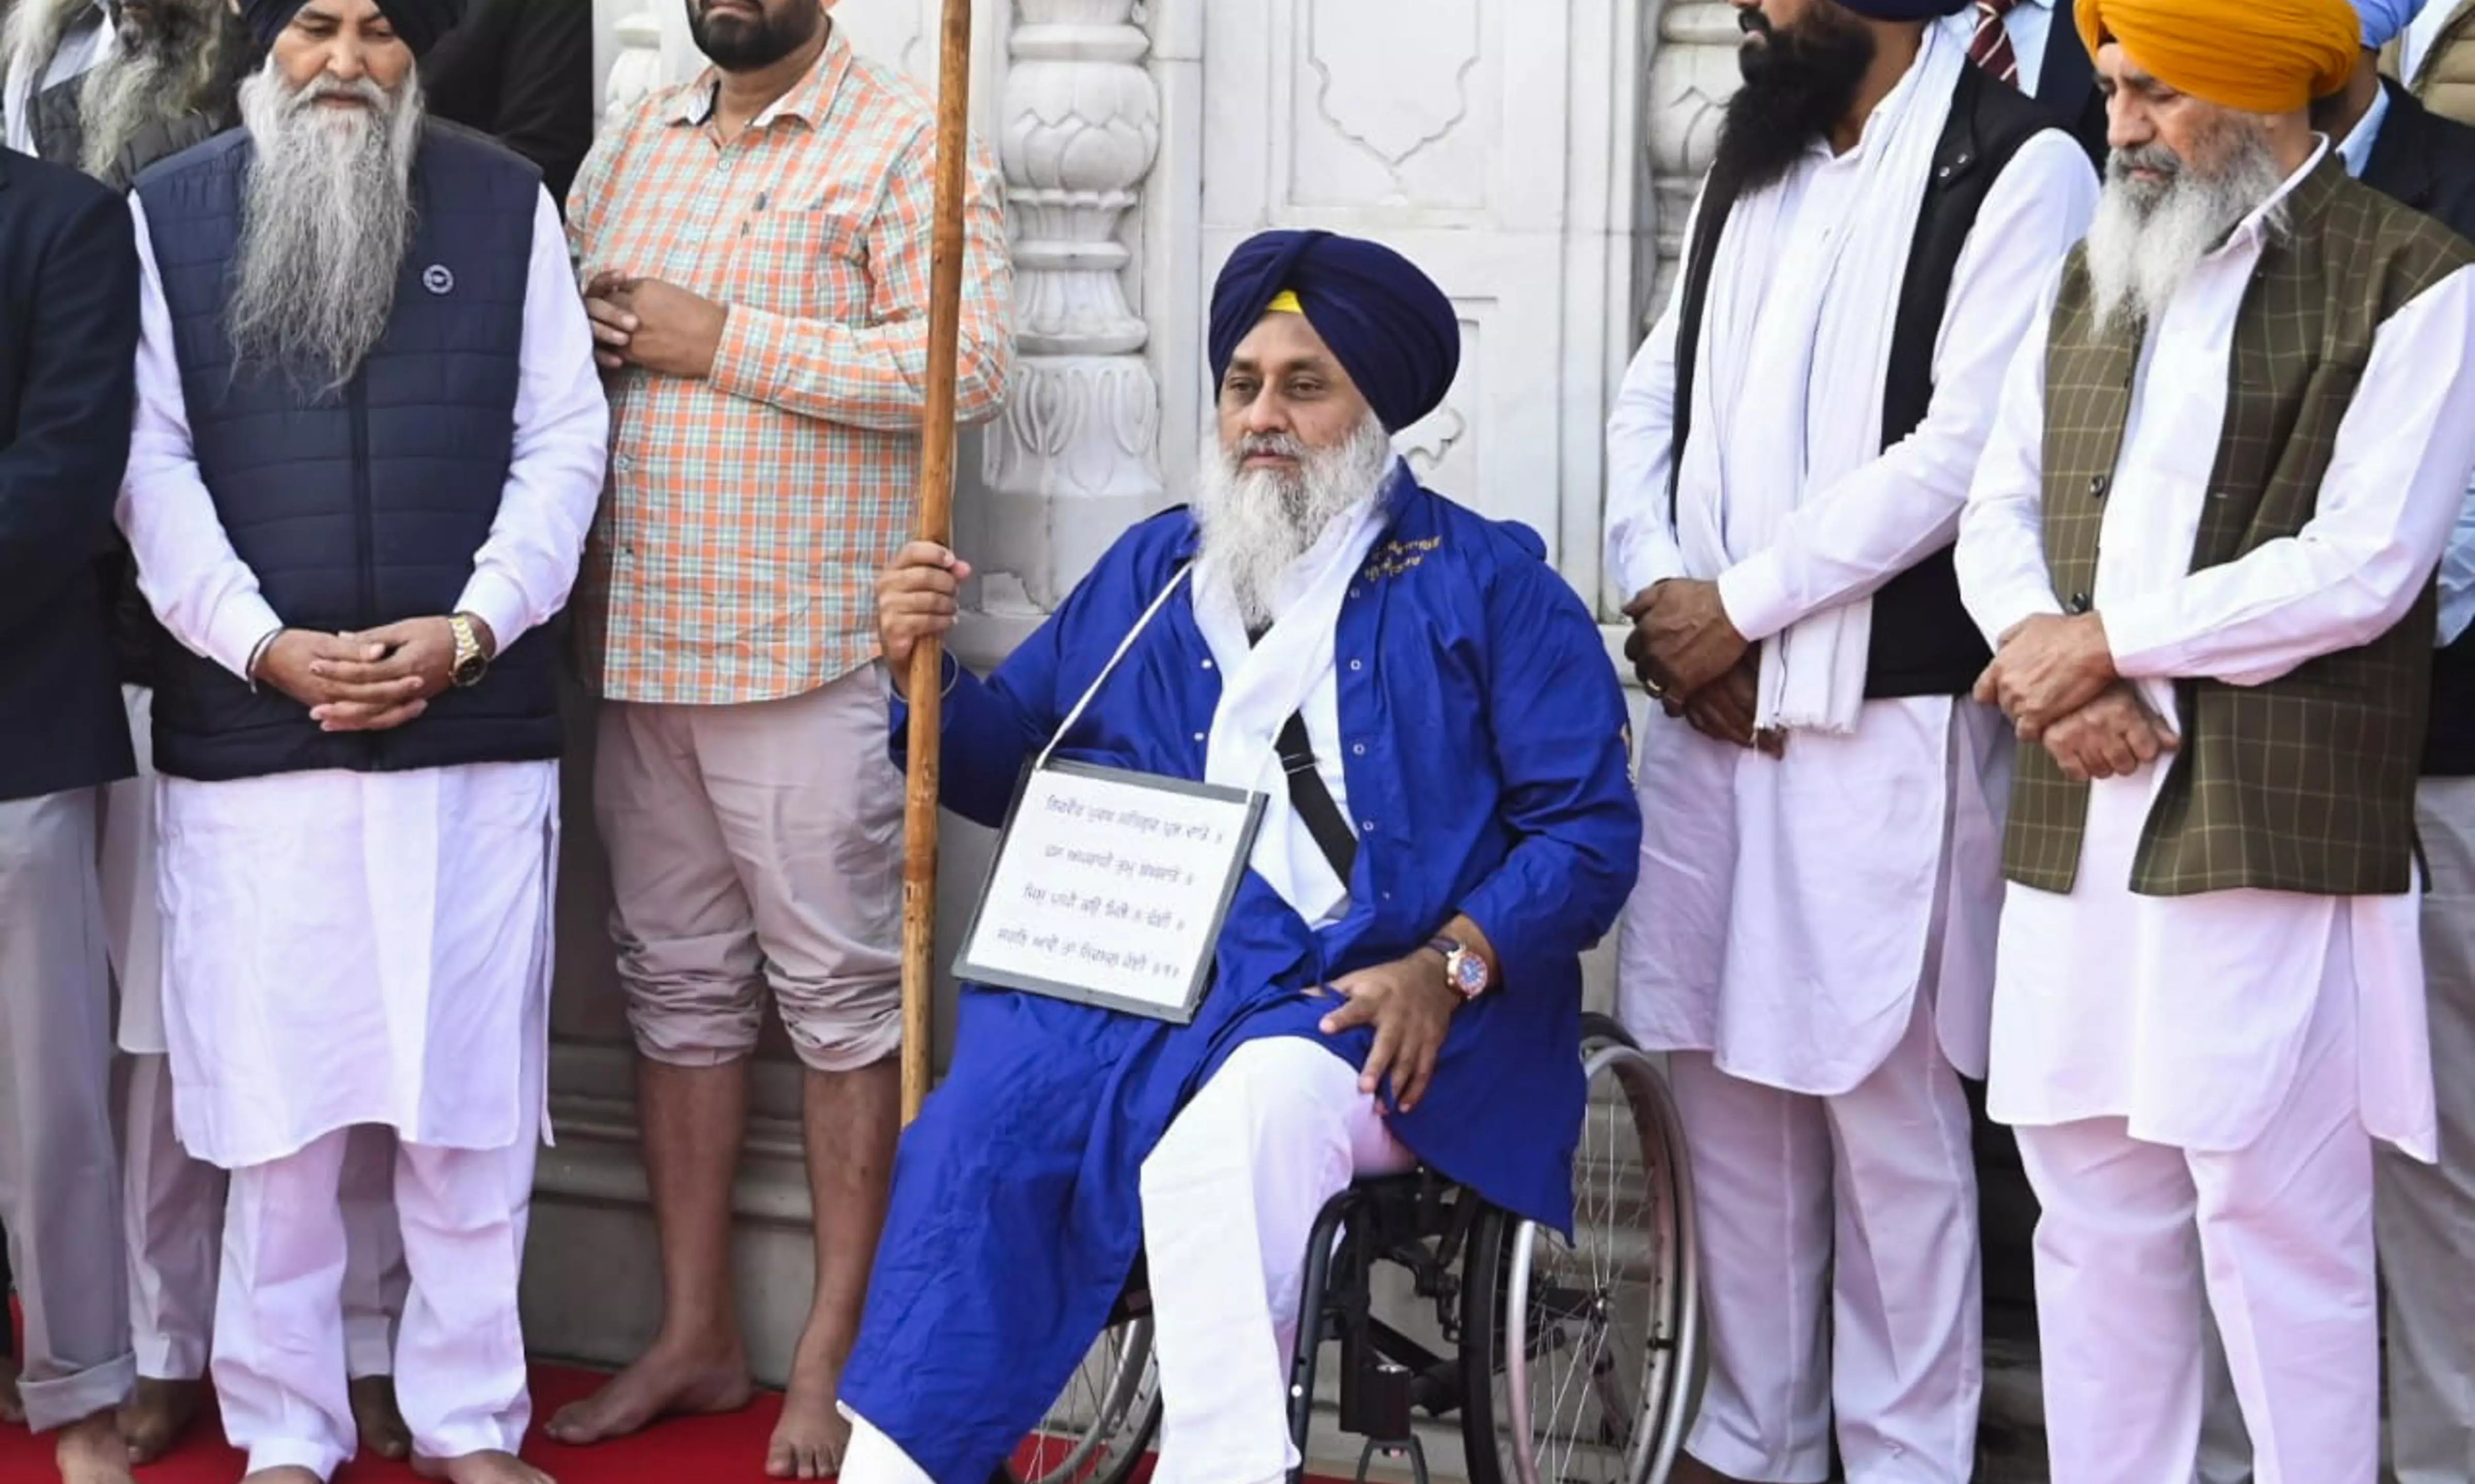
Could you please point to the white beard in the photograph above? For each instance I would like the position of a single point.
(1255, 524)
(2147, 238)
(154, 80)
(327, 222)
(32, 36)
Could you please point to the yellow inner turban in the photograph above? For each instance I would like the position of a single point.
(2255, 56)
(1285, 302)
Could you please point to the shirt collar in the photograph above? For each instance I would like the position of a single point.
(808, 102)
(2355, 150)
(2252, 228)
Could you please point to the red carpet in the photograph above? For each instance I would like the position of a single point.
(685, 1451)
(681, 1450)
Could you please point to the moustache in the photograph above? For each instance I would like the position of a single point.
(2155, 158)
(361, 90)
(1753, 23)
(1271, 445)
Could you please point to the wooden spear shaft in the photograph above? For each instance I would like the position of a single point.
(936, 519)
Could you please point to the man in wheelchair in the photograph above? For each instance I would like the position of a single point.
(1433, 718)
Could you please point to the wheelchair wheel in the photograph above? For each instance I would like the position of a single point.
(1581, 1359)
(1104, 1420)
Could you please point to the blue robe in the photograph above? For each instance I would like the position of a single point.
(1487, 774)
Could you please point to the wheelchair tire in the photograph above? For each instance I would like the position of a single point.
(1105, 1420)
(1581, 1361)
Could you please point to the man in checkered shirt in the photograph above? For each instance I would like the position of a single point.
(755, 251)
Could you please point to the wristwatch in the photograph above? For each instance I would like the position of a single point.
(1463, 968)
(469, 664)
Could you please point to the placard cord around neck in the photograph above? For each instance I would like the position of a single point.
(1111, 669)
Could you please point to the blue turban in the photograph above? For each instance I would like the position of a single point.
(1906, 9)
(418, 22)
(1387, 324)
(2385, 20)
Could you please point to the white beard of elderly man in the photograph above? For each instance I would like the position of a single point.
(369, 444)
(165, 84)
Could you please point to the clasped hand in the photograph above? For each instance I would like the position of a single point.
(365, 682)
(2046, 669)
(1688, 653)
(654, 325)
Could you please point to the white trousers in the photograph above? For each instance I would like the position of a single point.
(2277, 1237)
(173, 1206)
(1230, 1198)
(1839, 1266)
(279, 1361)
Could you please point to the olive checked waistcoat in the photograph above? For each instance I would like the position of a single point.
(2306, 783)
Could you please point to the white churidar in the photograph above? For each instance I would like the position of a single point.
(1838, 1242)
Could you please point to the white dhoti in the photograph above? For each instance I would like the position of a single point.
(173, 1204)
(349, 957)
(1810, 941)
(1229, 1197)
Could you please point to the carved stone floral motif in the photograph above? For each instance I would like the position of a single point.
(1692, 72)
(1075, 458)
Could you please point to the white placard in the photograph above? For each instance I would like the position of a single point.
(1109, 888)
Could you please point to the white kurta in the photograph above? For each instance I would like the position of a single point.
(346, 948)
(1750, 935)
(2188, 1015)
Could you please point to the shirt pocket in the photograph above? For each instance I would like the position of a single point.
(806, 264)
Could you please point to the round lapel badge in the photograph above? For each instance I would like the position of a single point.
(438, 279)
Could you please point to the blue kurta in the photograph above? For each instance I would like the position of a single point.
(1486, 769)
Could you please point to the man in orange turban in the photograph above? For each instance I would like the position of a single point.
(2202, 537)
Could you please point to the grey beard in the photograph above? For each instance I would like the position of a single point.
(130, 92)
(2147, 238)
(33, 35)
(1254, 525)
(324, 227)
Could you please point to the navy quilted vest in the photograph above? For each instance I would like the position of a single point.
(368, 505)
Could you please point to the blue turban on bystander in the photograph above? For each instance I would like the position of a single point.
(417, 22)
(1387, 324)
(2385, 20)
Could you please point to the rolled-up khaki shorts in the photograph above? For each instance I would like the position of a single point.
(755, 847)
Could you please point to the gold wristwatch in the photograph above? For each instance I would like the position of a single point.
(469, 664)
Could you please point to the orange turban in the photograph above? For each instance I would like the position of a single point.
(2255, 56)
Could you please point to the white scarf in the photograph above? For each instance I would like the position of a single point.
(1753, 459)
(1263, 685)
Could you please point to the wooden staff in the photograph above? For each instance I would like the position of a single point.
(936, 520)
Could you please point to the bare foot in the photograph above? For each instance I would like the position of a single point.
(91, 1453)
(667, 1379)
(481, 1469)
(809, 1440)
(12, 1407)
(290, 1474)
(157, 1414)
(375, 1417)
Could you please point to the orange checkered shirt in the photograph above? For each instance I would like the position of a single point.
(747, 514)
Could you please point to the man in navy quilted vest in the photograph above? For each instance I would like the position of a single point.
(370, 438)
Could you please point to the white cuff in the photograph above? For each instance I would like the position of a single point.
(241, 622)
(1753, 593)
(496, 601)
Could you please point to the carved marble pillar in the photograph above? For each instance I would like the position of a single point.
(636, 68)
(1075, 460)
(1692, 71)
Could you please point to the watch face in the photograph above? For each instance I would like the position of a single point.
(470, 671)
(1469, 973)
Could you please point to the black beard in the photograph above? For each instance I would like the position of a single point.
(736, 45)
(1798, 84)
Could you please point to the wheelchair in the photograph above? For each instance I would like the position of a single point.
(1576, 1363)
